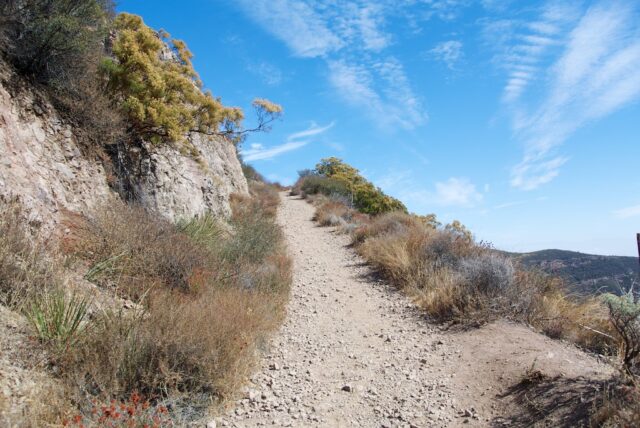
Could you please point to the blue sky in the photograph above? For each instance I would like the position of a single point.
(520, 119)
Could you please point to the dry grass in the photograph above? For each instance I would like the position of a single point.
(454, 279)
(266, 196)
(25, 266)
(331, 214)
(390, 223)
(209, 294)
(183, 345)
(620, 406)
(134, 252)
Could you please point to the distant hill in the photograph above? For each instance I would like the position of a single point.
(586, 273)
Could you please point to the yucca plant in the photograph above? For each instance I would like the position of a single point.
(108, 267)
(205, 230)
(58, 319)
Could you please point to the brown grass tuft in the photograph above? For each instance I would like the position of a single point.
(134, 252)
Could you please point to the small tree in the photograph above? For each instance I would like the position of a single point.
(152, 80)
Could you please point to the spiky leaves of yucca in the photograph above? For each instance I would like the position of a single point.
(58, 319)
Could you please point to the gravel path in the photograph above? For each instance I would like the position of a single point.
(351, 352)
(354, 352)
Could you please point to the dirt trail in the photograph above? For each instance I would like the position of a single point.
(354, 352)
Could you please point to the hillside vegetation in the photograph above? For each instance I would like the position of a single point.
(457, 280)
(130, 319)
(202, 295)
(114, 76)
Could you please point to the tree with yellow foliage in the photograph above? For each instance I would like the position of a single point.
(151, 78)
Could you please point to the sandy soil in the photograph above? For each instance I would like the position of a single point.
(354, 352)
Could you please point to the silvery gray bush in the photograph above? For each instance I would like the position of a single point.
(489, 272)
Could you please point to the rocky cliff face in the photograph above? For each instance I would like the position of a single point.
(178, 185)
(43, 165)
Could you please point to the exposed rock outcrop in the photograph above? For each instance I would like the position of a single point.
(43, 165)
(178, 185)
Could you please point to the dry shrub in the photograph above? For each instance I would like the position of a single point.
(134, 251)
(620, 406)
(266, 195)
(330, 213)
(487, 273)
(255, 235)
(393, 222)
(541, 300)
(454, 279)
(334, 211)
(439, 293)
(391, 254)
(182, 345)
(37, 401)
(210, 295)
(25, 266)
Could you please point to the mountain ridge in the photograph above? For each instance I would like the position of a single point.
(586, 273)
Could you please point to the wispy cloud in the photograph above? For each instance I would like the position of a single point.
(394, 180)
(312, 131)
(295, 23)
(382, 89)
(261, 153)
(509, 205)
(364, 22)
(627, 212)
(449, 52)
(536, 39)
(346, 35)
(597, 73)
(294, 142)
(453, 192)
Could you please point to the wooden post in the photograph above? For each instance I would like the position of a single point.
(638, 239)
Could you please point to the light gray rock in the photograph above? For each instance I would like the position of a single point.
(183, 186)
(43, 166)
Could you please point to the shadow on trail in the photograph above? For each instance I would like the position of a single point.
(539, 399)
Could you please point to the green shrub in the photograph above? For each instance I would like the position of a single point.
(162, 97)
(205, 230)
(153, 82)
(255, 237)
(52, 39)
(334, 177)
